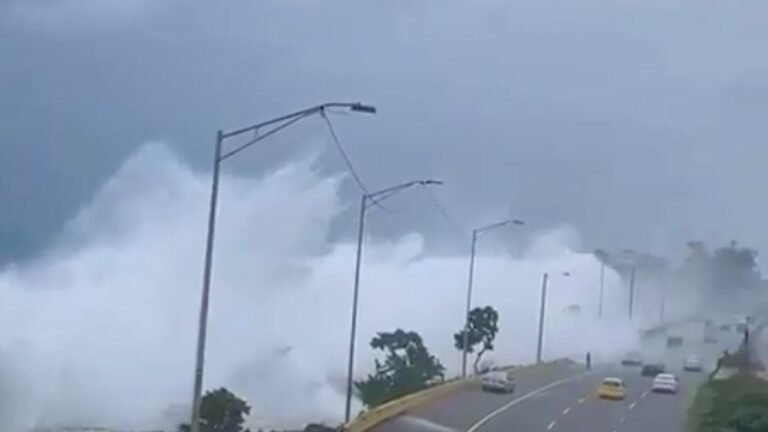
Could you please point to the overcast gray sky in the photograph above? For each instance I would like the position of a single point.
(641, 123)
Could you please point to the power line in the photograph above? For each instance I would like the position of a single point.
(348, 161)
(343, 153)
(455, 227)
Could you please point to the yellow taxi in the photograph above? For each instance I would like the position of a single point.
(611, 388)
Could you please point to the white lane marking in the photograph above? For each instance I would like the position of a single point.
(551, 424)
(510, 404)
(645, 393)
(622, 420)
(581, 401)
(566, 411)
(422, 423)
(632, 405)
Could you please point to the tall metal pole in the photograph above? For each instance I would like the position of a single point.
(465, 351)
(374, 198)
(277, 124)
(203, 320)
(353, 328)
(542, 308)
(631, 290)
(602, 287)
(663, 303)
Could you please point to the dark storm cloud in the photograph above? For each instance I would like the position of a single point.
(640, 123)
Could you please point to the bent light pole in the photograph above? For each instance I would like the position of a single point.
(367, 200)
(273, 126)
(475, 233)
(542, 312)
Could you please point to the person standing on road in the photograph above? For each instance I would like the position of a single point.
(589, 360)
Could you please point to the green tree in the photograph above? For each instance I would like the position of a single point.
(407, 367)
(735, 267)
(482, 329)
(727, 268)
(221, 411)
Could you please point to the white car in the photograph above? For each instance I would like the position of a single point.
(497, 381)
(664, 383)
(692, 364)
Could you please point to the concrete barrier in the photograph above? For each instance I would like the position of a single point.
(394, 408)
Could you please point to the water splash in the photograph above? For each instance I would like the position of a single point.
(101, 329)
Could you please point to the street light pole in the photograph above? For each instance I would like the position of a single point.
(203, 319)
(542, 308)
(475, 233)
(542, 313)
(274, 125)
(465, 342)
(367, 199)
(631, 290)
(602, 287)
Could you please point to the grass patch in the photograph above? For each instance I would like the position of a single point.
(735, 404)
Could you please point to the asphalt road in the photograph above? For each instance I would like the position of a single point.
(572, 406)
(562, 398)
(564, 403)
(459, 411)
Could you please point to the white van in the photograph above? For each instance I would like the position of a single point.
(498, 381)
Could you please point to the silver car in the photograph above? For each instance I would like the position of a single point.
(692, 364)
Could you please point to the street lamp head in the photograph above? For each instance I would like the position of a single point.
(518, 222)
(431, 182)
(567, 274)
(358, 107)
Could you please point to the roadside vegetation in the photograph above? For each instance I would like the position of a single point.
(408, 366)
(483, 324)
(735, 404)
(221, 411)
(738, 403)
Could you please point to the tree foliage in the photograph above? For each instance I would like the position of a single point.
(407, 367)
(221, 411)
(483, 324)
(728, 267)
(735, 404)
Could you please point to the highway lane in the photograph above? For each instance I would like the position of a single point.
(663, 412)
(459, 411)
(561, 399)
(573, 407)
